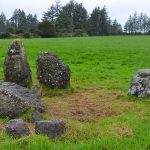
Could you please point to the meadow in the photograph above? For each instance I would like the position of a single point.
(98, 112)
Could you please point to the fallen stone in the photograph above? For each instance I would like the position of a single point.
(15, 100)
(16, 66)
(17, 128)
(36, 116)
(52, 71)
(140, 84)
(50, 128)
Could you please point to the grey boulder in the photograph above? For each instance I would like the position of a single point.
(17, 128)
(140, 84)
(50, 128)
(16, 66)
(15, 100)
(52, 71)
(36, 116)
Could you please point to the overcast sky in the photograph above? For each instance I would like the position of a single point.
(119, 9)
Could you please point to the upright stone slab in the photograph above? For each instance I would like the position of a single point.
(16, 67)
(52, 71)
(140, 84)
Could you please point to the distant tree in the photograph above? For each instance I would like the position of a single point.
(116, 27)
(53, 12)
(47, 29)
(32, 23)
(19, 21)
(22, 21)
(64, 23)
(80, 17)
(145, 21)
(140, 22)
(99, 22)
(3, 22)
(137, 24)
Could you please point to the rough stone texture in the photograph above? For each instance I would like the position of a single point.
(140, 84)
(16, 67)
(36, 116)
(17, 128)
(15, 99)
(50, 128)
(52, 71)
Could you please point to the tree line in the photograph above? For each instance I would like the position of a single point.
(74, 20)
(69, 20)
(18, 23)
(137, 24)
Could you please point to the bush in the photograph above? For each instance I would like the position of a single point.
(5, 35)
(26, 35)
(10, 30)
(79, 33)
(19, 31)
(64, 35)
(47, 29)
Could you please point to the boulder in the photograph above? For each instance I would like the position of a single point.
(17, 128)
(50, 128)
(52, 71)
(16, 67)
(140, 84)
(15, 99)
(36, 116)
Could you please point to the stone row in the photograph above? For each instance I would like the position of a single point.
(51, 71)
(51, 128)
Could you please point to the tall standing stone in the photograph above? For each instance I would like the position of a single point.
(52, 71)
(16, 66)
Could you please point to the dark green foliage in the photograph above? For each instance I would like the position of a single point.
(5, 35)
(71, 19)
(137, 24)
(47, 29)
(100, 23)
(27, 35)
(2, 22)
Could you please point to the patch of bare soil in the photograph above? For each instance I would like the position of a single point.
(87, 105)
(1, 126)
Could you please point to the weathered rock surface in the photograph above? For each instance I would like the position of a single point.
(50, 128)
(15, 99)
(16, 67)
(52, 71)
(17, 128)
(36, 116)
(140, 84)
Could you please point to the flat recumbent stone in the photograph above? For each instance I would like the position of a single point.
(51, 128)
(140, 84)
(15, 100)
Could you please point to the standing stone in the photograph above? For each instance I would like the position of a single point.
(140, 84)
(17, 128)
(52, 71)
(50, 128)
(16, 67)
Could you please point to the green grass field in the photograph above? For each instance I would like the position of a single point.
(98, 112)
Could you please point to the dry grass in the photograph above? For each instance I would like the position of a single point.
(87, 105)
